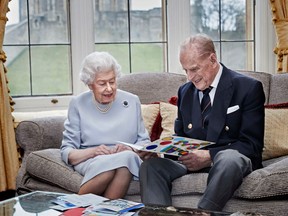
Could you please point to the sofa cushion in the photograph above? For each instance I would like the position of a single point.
(276, 131)
(190, 184)
(278, 89)
(270, 181)
(168, 114)
(47, 166)
(264, 78)
(22, 116)
(150, 113)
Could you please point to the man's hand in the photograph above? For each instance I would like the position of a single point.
(144, 155)
(196, 160)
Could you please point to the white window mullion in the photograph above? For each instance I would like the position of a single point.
(82, 38)
(178, 18)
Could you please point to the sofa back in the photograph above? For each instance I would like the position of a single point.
(40, 133)
(152, 87)
(279, 89)
(275, 85)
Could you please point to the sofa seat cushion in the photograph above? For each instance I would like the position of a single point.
(47, 166)
(194, 183)
(270, 181)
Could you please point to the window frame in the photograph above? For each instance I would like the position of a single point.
(82, 43)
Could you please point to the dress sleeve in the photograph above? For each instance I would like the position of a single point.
(143, 135)
(71, 135)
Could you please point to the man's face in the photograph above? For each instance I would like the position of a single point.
(200, 69)
(104, 87)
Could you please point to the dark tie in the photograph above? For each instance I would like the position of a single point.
(206, 107)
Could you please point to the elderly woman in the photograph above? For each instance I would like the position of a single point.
(97, 119)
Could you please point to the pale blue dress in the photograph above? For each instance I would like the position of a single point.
(86, 127)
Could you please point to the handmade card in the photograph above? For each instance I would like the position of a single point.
(172, 145)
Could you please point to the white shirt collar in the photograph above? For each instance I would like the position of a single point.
(214, 85)
(217, 77)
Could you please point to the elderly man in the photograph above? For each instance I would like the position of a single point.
(218, 105)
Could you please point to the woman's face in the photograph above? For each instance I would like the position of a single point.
(104, 87)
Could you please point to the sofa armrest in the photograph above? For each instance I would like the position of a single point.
(40, 133)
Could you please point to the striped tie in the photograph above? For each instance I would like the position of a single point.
(206, 107)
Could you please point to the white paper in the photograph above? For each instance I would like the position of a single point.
(83, 200)
(135, 146)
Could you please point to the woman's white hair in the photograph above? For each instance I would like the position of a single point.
(98, 62)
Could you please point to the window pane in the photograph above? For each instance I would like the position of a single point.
(50, 72)
(238, 55)
(146, 21)
(205, 18)
(111, 21)
(147, 58)
(236, 20)
(120, 53)
(227, 21)
(132, 30)
(16, 30)
(29, 58)
(18, 70)
(48, 21)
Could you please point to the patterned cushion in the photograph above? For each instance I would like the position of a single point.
(168, 113)
(276, 131)
(149, 114)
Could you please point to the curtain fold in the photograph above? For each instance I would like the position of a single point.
(9, 162)
(279, 10)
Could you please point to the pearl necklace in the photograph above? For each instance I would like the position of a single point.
(105, 107)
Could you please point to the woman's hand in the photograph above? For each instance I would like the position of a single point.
(102, 150)
(77, 156)
(121, 147)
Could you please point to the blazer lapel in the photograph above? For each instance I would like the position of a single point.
(221, 103)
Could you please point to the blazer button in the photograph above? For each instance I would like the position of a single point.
(227, 128)
(189, 126)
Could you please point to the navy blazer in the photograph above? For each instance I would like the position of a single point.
(242, 130)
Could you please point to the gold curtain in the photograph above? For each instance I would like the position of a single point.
(9, 162)
(280, 19)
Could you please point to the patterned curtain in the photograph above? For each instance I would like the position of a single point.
(280, 19)
(9, 162)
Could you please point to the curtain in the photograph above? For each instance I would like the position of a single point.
(280, 19)
(9, 162)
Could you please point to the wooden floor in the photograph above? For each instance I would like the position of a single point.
(7, 194)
